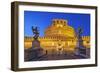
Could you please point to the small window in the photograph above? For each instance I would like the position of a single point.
(57, 21)
(87, 42)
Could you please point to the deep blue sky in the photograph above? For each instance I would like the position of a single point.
(43, 19)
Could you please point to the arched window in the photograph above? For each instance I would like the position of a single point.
(64, 22)
(61, 22)
(88, 42)
(53, 22)
(57, 21)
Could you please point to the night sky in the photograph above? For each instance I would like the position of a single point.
(43, 19)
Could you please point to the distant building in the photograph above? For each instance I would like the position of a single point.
(59, 36)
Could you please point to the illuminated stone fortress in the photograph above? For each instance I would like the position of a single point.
(59, 36)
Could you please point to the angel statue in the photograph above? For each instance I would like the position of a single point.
(35, 32)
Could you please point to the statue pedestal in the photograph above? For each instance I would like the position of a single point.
(35, 44)
(34, 52)
(82, 51)
(36, 47)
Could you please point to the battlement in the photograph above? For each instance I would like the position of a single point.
(86, 37)
(59, 21)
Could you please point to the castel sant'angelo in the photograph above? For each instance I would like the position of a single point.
(58, 35)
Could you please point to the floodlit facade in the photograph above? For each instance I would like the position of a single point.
(59, 36)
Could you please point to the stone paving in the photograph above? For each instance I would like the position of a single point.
(57, 57)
